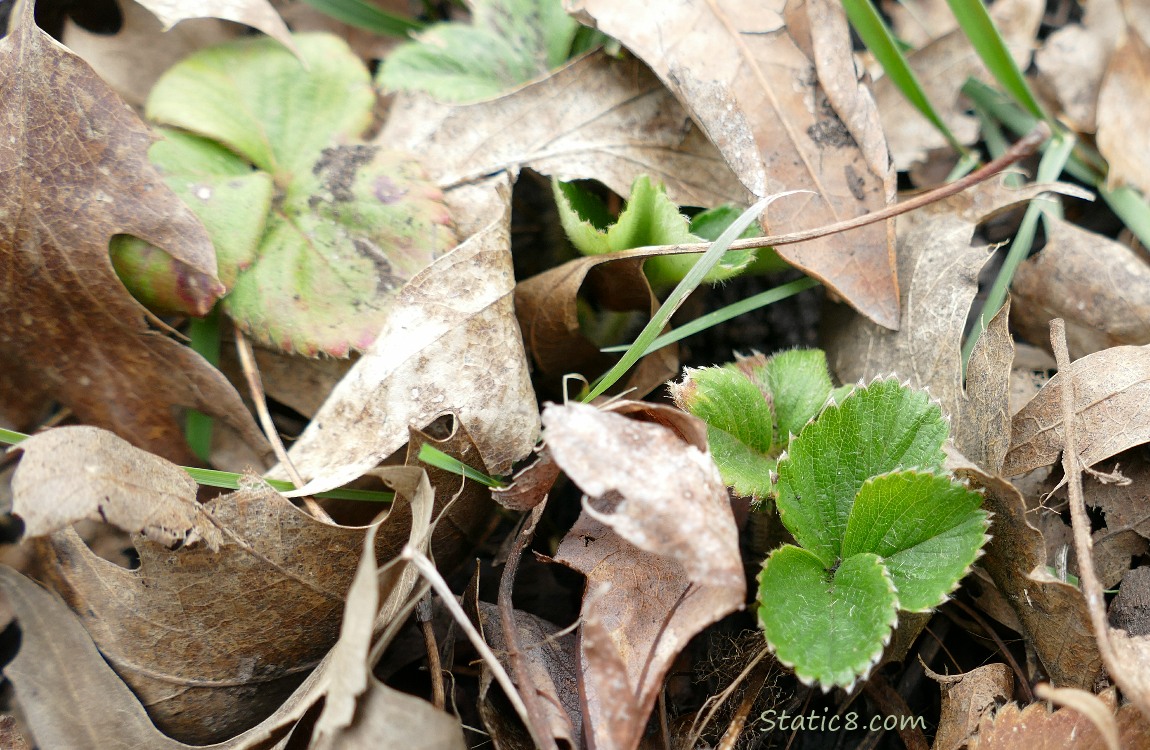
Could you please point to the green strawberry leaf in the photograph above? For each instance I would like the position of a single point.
(876, 429)
(349, 222)
(927, 527)
(831, 627)
(799, 384)
(650, 218)
(508, 43)
(739, 425)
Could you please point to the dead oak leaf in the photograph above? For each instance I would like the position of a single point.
(73, 173)
(1037, 728)
(748, 75)
(111, 481)
(214, 642)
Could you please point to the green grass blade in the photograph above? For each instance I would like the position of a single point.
(1131, 207)
(1051, 166)
(205, 341)
(979, 28)
(432, 456)
(367, 16)
(689, 283)
(723, 314)
(875, 34)
(231, 481)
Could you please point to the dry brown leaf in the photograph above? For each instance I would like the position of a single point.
(983, 432)
(942, 67)
(1037, 728)
(919, 22)
(965, 698)
(548, 310)
(214, 642)
(595, 118)
(938, 273)
(258, 14)
(106, 479)
(69, 696)
(10, 737)
(1123, 111)
(1124, 503)
(551, 663)
(1130, 608)
(655, 490)
(640, 608)
(530, 485)
(1052, 613)
(1073, 59)
(451, 344)
(747, 75)
(388, 718)
(1111, 406)
(74, 172)
(131, 60)
(1100, 287)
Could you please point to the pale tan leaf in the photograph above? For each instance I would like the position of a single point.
(450, 345)
(656, 491)
(1100, 287)
(258, 14)
(595, 118)
(746, 71)
(107, 479)
(1123, 111)
(388, 718)
(982, 432)
(1111, 407)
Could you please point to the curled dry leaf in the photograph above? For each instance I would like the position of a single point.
(1111, 397)
(450, 345)
(214, 642)
(386, 717)
(1052, 613)
(258, 14)
(1037, 728)
(548, 310)
(942, 67)
(594, 118)
(748, 75)
(1100, 287)
(965, 698)
(659, 546)
(74, 172)
(656, 491)
(109, 480)
(1122, 113)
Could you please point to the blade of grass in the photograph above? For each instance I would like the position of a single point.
(983, 35)
(1051, 166)
(432, 456)
(231, 481)
(367, 16)
(877, 37)
(723, 314)
(205, 341)
(692, 280)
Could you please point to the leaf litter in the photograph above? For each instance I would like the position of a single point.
(245, 613)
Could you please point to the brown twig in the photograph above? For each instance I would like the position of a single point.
(424, 615)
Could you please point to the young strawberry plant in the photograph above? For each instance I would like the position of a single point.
(880, 526)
